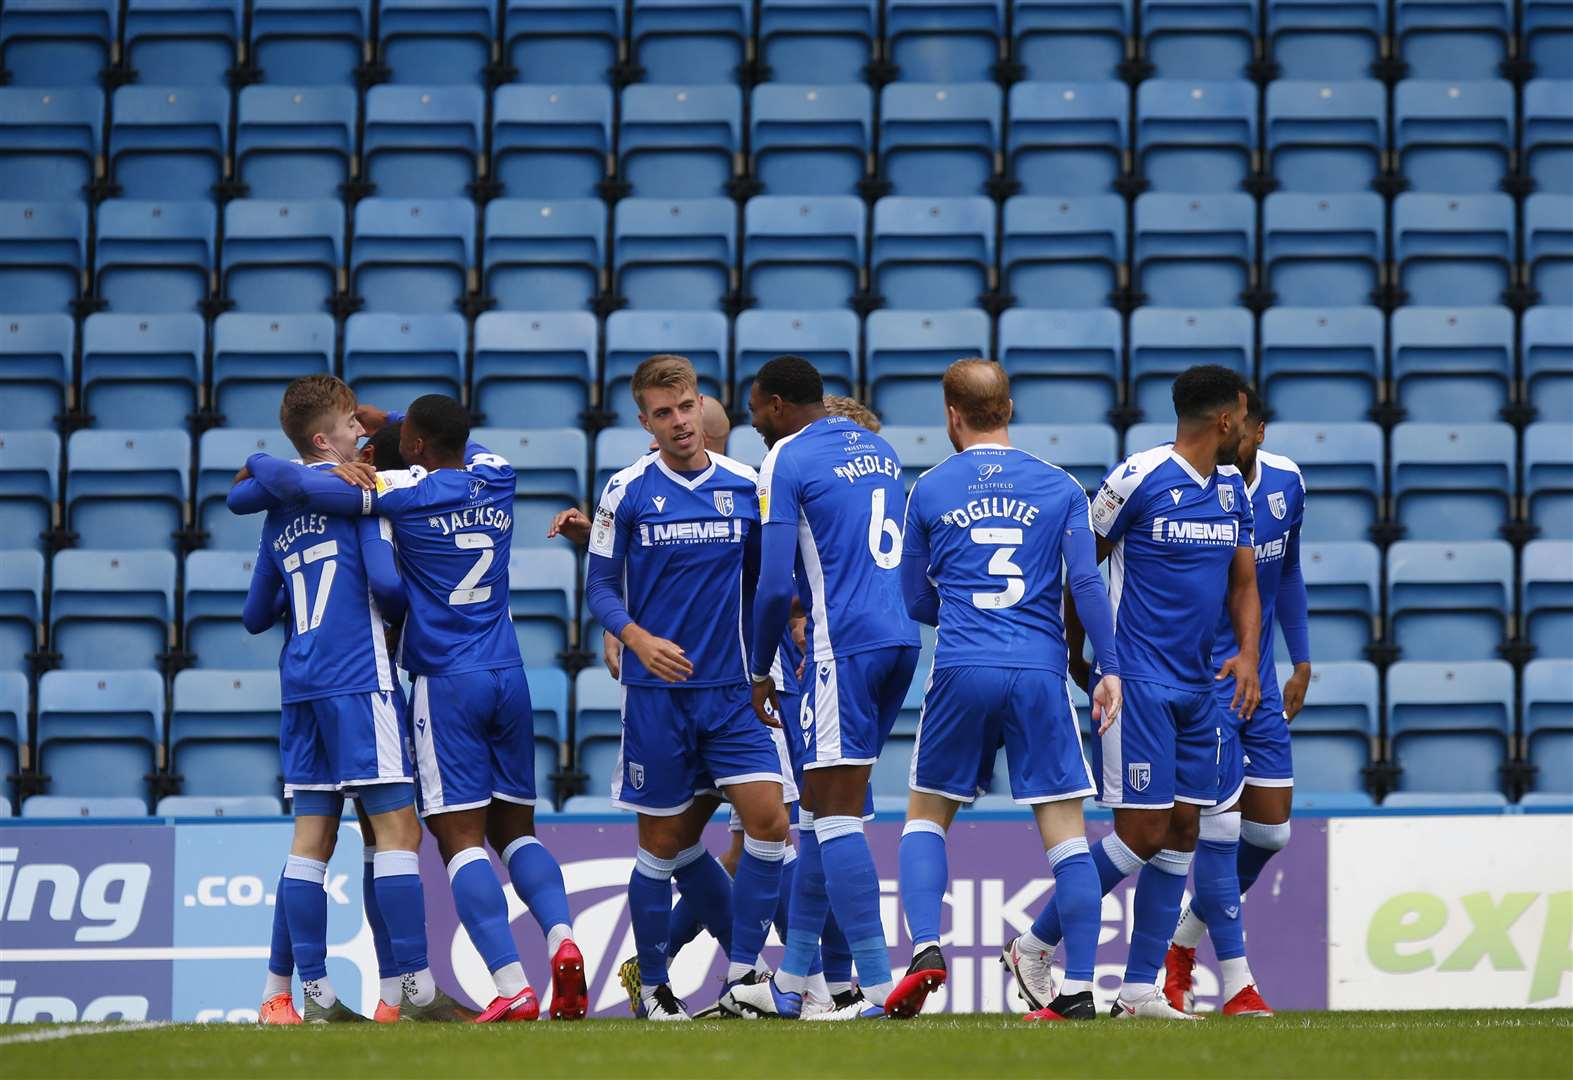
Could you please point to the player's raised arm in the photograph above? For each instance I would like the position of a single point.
(1294, 616)
(917, 588)
(294, 483)
(265, 597)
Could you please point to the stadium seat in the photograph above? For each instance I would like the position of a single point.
(153, 257)
(1548, 362)
(549, 473)
(678, 142)
(142, 371)
(1086, 451)
(295, 142)
(541, 582)
(282, 258)
(36, 361)
(1453, 481)
(423, 142)
(84, 806)
(218, 806)
(1326, 137)
(100, 733)
(51, 139)
(1065, 366)
(615, 449)
(256, 356)
(674, 254)
(1453, 250)
(1445, 801)
(1343, 465)
(817, 41)
(932, 253)
(1548, 723)
(1067, 139)
(535, 368)
(1452, 39)
(55, 43)
(112, 609)
(918, 448)
(588, 806)
(221, 453)
(549, 701)
(1333, 803)
(544, 256)
(937, 140)
(1548, 480)
(690, 41)
(1343, 586)
(1449, 601)
(1323, 250)
(1334, 733)
(127, 489)
(29, 486)
(307, 42)
(1194, 250)
(1195, 136)
(412, 255)
(182, 42)
(1547, 601)
(826, 339)
(169, 142)
(1145, 436)
(1548, 129)
(909, 350)
(1452, 135)
(1065, 39)
(224, 732)
(744, 444)
(1166, 341)
(810, 140)
(633, 336)
(43, 252)
(944, 41)
(804, 252)
(562, 42)
(395, 359)
(1199, 39)
(437, 42)
(1449, 724)
(551, 142)
(598, 728)
(21, 609)
(1321, 364)
(215, 592)
(1063, 253)
(1548, 247)
(1453, 365)
(15, 706)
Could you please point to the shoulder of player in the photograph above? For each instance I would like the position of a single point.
(392, 479)
(630, 476)
(1282, 464)
(784, 447)
(1129, 474)
(737, 468)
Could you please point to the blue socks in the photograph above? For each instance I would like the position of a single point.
(281, 958)
(1258, 843)
(374, 919)
(837, 955)
(1159, 890)
(706, 899)
(784, 897)
(539, 882)
(853, 885)
(403, 905)
(807, 912)
(482, 908)
(650, 910)
(925, 871)
(1114, 862)
(306, 910)
(1077, 889)
(755, 891)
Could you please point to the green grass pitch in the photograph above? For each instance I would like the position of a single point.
(1518, 1044)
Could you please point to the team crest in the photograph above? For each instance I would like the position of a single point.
(723, 502)
(636, 774)
(1226, 497)
(1138, 773)
(1278, 504)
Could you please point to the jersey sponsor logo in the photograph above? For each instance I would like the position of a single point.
(1226, 497)
(1278, 504)
(1106, 506)
(867, 465)
(1273, 549)
(852, 436)
(1174, 493)
(723, 502)
(1138, 774)
(688, 532)
(660, 503)
(476, 487)
(1167, 530)
(989, 470)
(636, 775)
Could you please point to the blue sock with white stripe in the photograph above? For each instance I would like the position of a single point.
(706, 894)
(1159, 889)
(853, 885)
(483, 909)
(281, 960)
(650, 910)
(1217, 899)
(755, 890)
(809, 907)
(1114, 862)
(306, 909)
(379, 926)
(539, 882)
(1076, 888)
(1258, 843)
(925, 871)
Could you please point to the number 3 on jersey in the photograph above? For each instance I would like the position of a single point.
(466, 592)
(879, 528)
(1001, 566)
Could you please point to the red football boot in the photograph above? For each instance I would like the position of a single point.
(278, 1009)
(1177, 982)
(386, 1014)
(1248, 1003)
(522, 1006)
(570, 994)
(925, 975)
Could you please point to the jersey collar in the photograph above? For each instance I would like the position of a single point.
(1201, 481)
(1254, 482)
(679, 478)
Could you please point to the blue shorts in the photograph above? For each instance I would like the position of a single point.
(1269, 757)
(680, 741)
(969, 712)
(1163, 749)
(789, 775)
(1231, 762)
(474, 739)
(847, 715)
(346, 740)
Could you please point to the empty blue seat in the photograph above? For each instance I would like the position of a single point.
(1343, 465)
(674, 254)
(169, 142)
(1067, 138)
(744, 444)
(29, 486)
(551, 142)
(944, 41)
(554, 42)
(1325, 39)
(305, 42)
(678, 142)
(1453, 136)
(182, 42)
(1453, 39)
(598, 727)
(1343, 587)
(397, 358)
(810, 140)
(15, 705)
(690, 41)
(83, 806)
(1548, 130)
(1063, 253)
(1453, 365)
(1086, 451)
(1064, 366)
(43, 252)
(541, 582)
(1068, 39)
(21, 613)
(1548, 247)
(1547, 602)
(100, 733)
(437, 42)
(215, 589)
(549, 702)
(154, 257)
(1323, 250)
(803, 252)
(127, 489)
(633, 336)
(49, 141)
(218, 806)
(423, 142)
(1449, 601)
(1326, 136)
(826, 339)
(282, 257)
(544, 256)
(1321, 364)
(1199, 39)
(549, 473)
(908, 351)
(1453, 481)
(1145, 436)
(1449, 724)
(1195, 135)
(1548, 723)
(939, 139)
(535, 368)
(1445, 801)
(295, 142)
(224, 732)
(221, 453)
(1547, 335)
(36, 361)
(256, 356)
(615, 449)
(1453, 250)
(111, 609)
(58, 42)
(141, 371)
(932, 253)
(412, 255)
(1166, 341)
(1194, 250)
(817, 41)
(1335, 731)
(1548, 478)
(917, 447)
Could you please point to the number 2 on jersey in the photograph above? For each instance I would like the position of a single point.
(308, 616)
(1001, 566)
(466, 592)
(880, 527)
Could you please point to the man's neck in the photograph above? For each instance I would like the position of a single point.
(1201, 457)
(433, 466)
(1248, 467)
(800, 416)
(697, 463)
(997, 437)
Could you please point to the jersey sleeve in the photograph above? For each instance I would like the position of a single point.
(780, 499)
(397, 491)
(613, 524)
(1113, 507)
(1244, 513)
(915, 531)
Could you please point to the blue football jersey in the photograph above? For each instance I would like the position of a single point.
(840, 487)
(1174, 534)
(683, 542)
(1278, 509)
(990, 524)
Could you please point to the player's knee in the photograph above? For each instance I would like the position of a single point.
(1220, 828)
(1266, 837)
(1184, 828)
(1145, 833)
(771, 826)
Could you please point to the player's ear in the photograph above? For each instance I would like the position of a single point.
(1010, 410)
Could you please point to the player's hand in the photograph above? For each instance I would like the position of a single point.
(356, 474)
(612, 653)
(662, 658)
(1294, 691)
(1080, 672)
(1247, 684)
(243, 474)
(1108, 698)
(802, 662)
(371, 418)
(799, 624)
(570, 523)
(767, 706)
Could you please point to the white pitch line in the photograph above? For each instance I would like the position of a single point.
(73, 1031)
